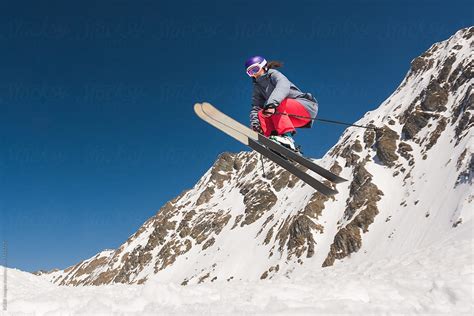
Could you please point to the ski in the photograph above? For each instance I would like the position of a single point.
(255, 145)
(318, 186)
(213, 112)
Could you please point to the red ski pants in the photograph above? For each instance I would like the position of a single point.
(283, 123)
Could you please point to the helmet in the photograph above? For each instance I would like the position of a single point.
(254, 64)
(255, 60)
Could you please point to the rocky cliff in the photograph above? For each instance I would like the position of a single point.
(410, 185)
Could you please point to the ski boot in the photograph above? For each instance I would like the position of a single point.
(287, 141)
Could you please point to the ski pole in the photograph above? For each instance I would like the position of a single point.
(327, 121)
(263, 165)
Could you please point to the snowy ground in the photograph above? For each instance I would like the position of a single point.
(435, 280)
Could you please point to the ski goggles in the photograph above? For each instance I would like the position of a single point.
(254, 68)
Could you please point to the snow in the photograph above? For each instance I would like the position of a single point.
(435, 279)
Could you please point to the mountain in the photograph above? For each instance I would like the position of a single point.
(409, 188)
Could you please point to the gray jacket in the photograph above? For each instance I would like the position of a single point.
(271, 88)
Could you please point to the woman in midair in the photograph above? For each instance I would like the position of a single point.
(278, 106)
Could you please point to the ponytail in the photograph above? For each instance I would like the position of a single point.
(272, 64)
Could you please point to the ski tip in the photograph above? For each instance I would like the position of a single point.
(328, 191)
(203, 106)
(197, 108)
(341, 180)
(208, 107)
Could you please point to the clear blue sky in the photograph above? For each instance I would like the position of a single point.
(97, 128)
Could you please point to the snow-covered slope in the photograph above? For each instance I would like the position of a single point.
(410, 189)
(438, 279)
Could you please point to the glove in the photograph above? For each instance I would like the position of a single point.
(257, 128)
(271, 106)
(269, 111)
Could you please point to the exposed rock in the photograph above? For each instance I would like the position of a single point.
(387, 145)
(434, 97)
(87, 267)
(301, 236)
(208, 243)
(316, 205)
(273, 269)
(461, 159)
(170, 251)
(205, 196)
(414, 123)
(457, 223)
(346, 241)
(444, 73)
(207, 223)
(204, 277)
(258, 200)
(362, 191)
(404, 150)
(436, 133)
(469, 33)
(269, 235)
(297, 232)
(136, 260)
(42, 271)
(161, 227)
(466, 104)
(464, 109)
(350, 156)
(466, 121)
(336, 168)
(369, 138)
(284, 179)
(184, 228)
(420, 64)
(283, 233)
(463, 73)
(237, 164)
(269, 218)
(105, 277)
(238, 218)
(468, 174)
(357, 146)
(364, 197)
(249, 167)
(222, 169)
